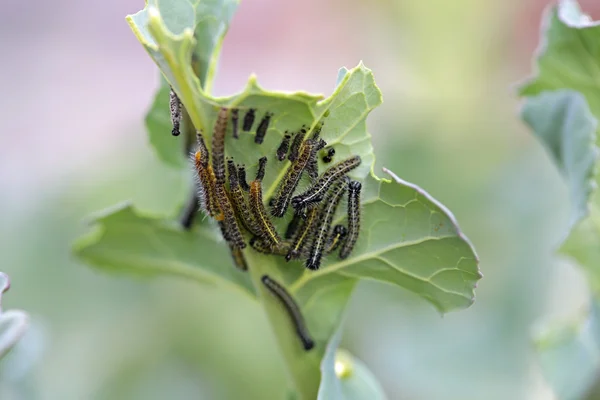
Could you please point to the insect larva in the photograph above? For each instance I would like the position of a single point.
(312, 168)
(238, 200)
(295, 148)
(175, 106)
(292, 309)
(316, 192)
(291, 179)
(189, 212)
(280, 250)
(234, 123)
(266, 230)
(336, 238)
(282, 150)
(218, 146)
(329, 156)
(249, 119)
(261, 131)
(319, 244)
(238, 258)
(293, 226)
(229, 220)
(316, 133)
(260, 171)
(207, 182)
(242, 178)
(304, 235)
(354, 189)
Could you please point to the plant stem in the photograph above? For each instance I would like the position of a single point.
(303, 367)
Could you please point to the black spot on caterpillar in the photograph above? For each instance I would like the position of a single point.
(282, 150)
(336, 238)
(261, 131)
(249, 120)
(234, 123)
(176, 112)
(242, 178)
(266, 230)
(329, 156)
(238, 200)
(291, 179)
(218, 146)
(292, 309)
(324, 224)
(354, 189)
(304, 235)
(316, 192)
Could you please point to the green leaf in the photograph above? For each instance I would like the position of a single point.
(570, 355)
(569, 55)
(563, 108)
(13, 323)
(563, 122)
(207, 20)
(126, 242)
(344, 377)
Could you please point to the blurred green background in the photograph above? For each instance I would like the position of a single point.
(76, 86)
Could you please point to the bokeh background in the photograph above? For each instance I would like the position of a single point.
(75, 86)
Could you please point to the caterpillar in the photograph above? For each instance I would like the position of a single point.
(304, 235)
(292, 309)
(239, 201)
(291, 179)
(218, 146)
(312, 168)
(267, 231)
(296, 143)
(176, 112)
(189, 212)
(324, 224)
(206, 179)
(230, 225)
(238, 258)
(249, 120)
(354, 189)
(242, 178)
(283, 148)
(263, 126)
(234, 123)
(317, 191)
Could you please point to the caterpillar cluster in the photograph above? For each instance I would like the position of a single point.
(239, 207)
